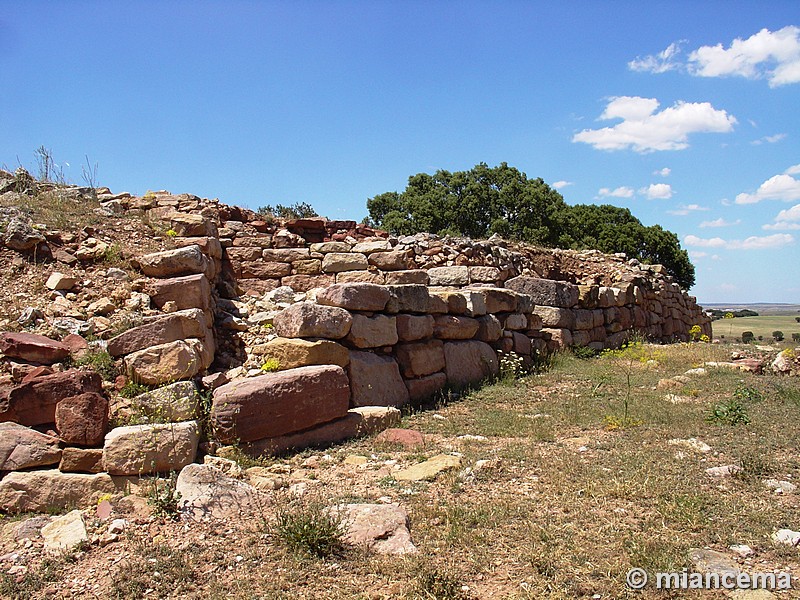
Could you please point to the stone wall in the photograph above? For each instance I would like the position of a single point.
(355, 322)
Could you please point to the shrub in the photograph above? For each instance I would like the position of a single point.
(777, 335)
(271, 365)
(796, 337)
(584, 352)
(748, 337)
(132, 389)
(308, 527)
(732, 412)
(163, 496)
(101, 361)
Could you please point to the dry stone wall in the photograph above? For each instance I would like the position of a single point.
(355, 322)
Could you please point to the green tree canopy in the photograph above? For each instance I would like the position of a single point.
(502, 200)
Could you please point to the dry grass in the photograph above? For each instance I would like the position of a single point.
(563, 509)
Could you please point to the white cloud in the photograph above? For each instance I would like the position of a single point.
(698, 254)
(769, 139)
(645, 130)
(657, 191)
(774, 55)
(768, 242)
(787, 220)
(663, 172)
(685, 209)
(720, 223)
(561, 184)
(659, 63)
(620, 192)
(779, 187)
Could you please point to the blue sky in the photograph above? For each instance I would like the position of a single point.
(685, 112)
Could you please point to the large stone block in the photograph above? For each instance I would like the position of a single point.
(180, 325)
(415, 276)
(264, 270)
(336, 262)
(410, 298)
(172, 403)
(32, 347)
(558, 338)
(499, 300)
(48, 490)
(484, 274)
(190, 291)
(489, 329)
(361, 421)
(449, 276)
(25, 448)
(81, 460)
(561, 318)
(292, 352)
(546, 292)
(166, 363)
(304, 283)
(451, 327)
(420, 358)
(584, 319)
(34, 402)
(425, 387)
(157, 448)
(469, 362)
(372, 332)
(390, 261)
(355, 296)
(373, 277)
(82, 419)
(288, 255)
(307, 319)
(414, 327)
(279, 403)
(375, 380)
(173, 263)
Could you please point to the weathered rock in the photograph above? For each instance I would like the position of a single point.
(380, 528)
(40, 491)
(292, 353)
(546, 292)
(500, 300)
(307, 319)
(420, 358)
(786, 537)
(279, 403)
(208, 493)
(489, 329)
(451, 276)
(361, 421)
(173, 263)
(59, 281)
(32, 347)
(469, 362)
(327, 247)
(372, 332)
(65, 532)
(24, 448)
(484, 274)
(142, 449)
(81, 460)
(408, 438)
(172, 403)
(21, 237)
(304, 283)
(190, 291)
(373, 277)
(414, 276)
(711, 561)
(82, 419)
(560, 338)
(355, 296)
(191, 225)
(390, 261)
(165, 363)
(102, 307)
(264, 270)
(372, 246)
(429, 469)
(190, 323)
(414, 327)
(336, 262)
(375, 381)
(451, 327)
(34, 402)
(556, 318)
(408, 298)
(425, 387)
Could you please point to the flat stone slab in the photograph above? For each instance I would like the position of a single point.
(429, 469)
(65, 532)
(24, 448)
(381, 528)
